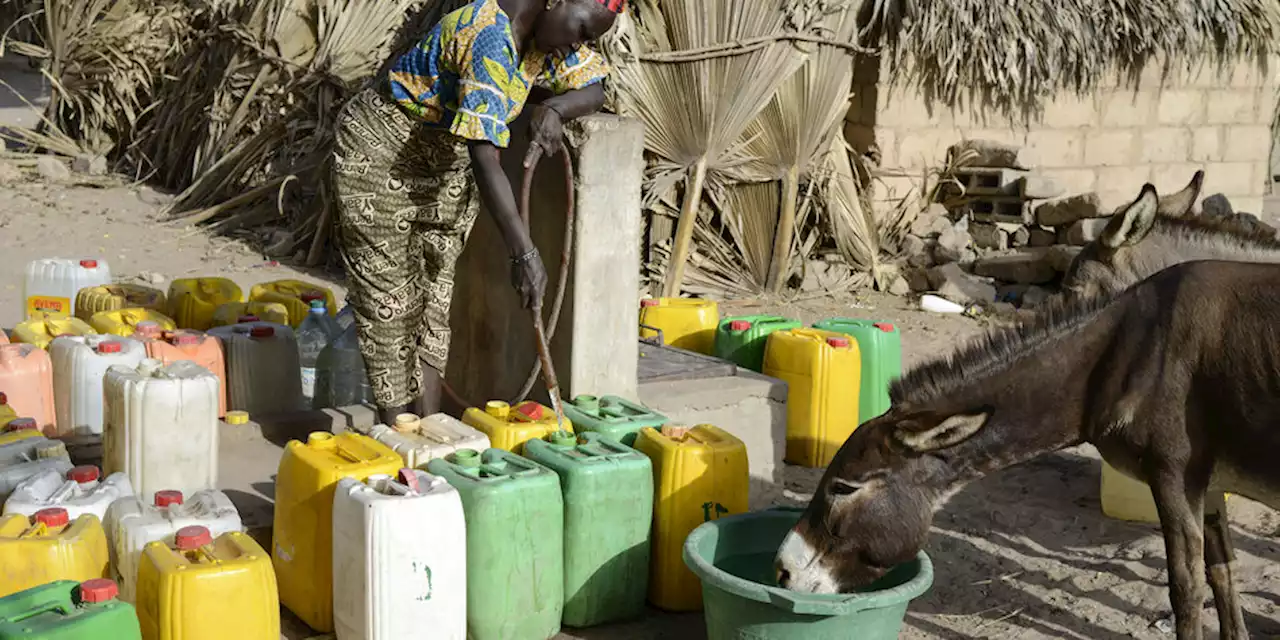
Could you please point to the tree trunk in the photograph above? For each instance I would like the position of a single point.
(785, 233)
(684, 230)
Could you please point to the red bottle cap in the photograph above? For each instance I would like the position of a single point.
(648, 302)
(838, 342)
(312, 295)
(109, 347)
(739, 325)
(89, 264)
(262, 332)
(884, 326)
(83, 473)
(167, 497)
(184, 339)
(192, 537)
(51, 517)
(19, 424)
(243, 319)
(98, 590)
(531, 409)
(408, 478)
(147, 330)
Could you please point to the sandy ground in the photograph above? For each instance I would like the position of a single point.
(1023, 554)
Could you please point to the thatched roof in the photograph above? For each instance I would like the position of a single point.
(1013, 54)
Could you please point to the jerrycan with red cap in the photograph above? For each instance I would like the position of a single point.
(741, 339)
(510, 427)
(16, 429)
(51, 284)
(880, 345)
(264, 375)
(685, 323)
(193, 346)
(68, 610)
(81, 490)
(296, 296)
(821, 368)
(48, 546)
(26, 379)
(201, 587)
(79, 365)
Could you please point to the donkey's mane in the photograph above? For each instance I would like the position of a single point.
(996, 350)
(1218, 229)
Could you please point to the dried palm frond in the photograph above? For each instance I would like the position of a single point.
(750, 214)
(853, 225)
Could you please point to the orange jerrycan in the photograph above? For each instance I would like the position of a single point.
(192, 301)
(296, 296)
(49, 546)
(194, 346)
(26, 378)
(510, 427)
(822, 370)
(111, 297)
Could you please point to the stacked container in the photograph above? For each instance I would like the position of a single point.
(135, 521)
(820, 369)
(435, 436)
(122, 322)
(19, 429)
(700, 474)
(302, 533)
(607, 488)
(510, 427)
(685, 323)
(399, 558)
(112, 297)
(68, 610)
(741, 340)
(230, 312)
(612, 417)
(201, 587)
(162, 426)
(79, 366)
(80, 491)
(26, 378)
(27, 457)
(880, 345)
(41, 331)
(193, 346)
(52, 283)
(50, 546)
(296, 296)
(515, 543)
(263, 372)
(192, 301)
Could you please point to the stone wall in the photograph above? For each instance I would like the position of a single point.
(1110, 142)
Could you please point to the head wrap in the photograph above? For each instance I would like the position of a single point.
(615, 6)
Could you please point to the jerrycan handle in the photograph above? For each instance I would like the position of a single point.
(657, 340)
(61, 606)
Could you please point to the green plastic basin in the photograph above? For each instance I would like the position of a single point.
(733, 556)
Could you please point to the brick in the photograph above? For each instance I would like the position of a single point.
(1073, 180)
(1232, 107)
(1250, 204)
(1056, 148)
(1245, 74)
(1038, 237)
(1166, 144)
(1000, 209)
(1027, 266)
(1067, 110)
(1180, 106)
(988, 181)
(981, 152)
(1127, 108)
(1206, 144)
(1170, 178)
(1109, 148)
(1123, 179)
(887, 140)
(1205, 76)
(1231, 178)
(1085, 231)
(1063, 211)
(924, 147)
(1040, 187)
(1247, 143)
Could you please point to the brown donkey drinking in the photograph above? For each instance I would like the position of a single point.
(1175, 380)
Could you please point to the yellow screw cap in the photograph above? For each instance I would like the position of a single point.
(237, 417)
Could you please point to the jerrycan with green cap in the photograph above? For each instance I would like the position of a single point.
(608, 513)
(68, 610)
(515, 543)
(612, 417)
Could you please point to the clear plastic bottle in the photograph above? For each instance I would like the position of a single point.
(341, 379)
(314, 334)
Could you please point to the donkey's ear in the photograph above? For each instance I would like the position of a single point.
(1181, 203)
(947, 433)
(1131, 224)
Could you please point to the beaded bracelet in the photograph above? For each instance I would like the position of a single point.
(524, 257)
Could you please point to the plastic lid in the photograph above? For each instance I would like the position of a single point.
(466, 458)
(248, 318)
(184, 339)
(317, 304)
(84, 473)
(648, 302)
(109, 347)
(497, 409)
(408, 478)
(590, 404)
(319, 436)
(674, 431)
(838, 342)
(20, 424)
(167, 497)
(562, 438)
(53, 449)
(739, 325)
(89, 264)
(407, 423)
(237, 417)
(262, 331)
(532, 410)
(98, 590)
(312, 296)
(147, 329)
(886, 327)
(192, 537)
(51, 517)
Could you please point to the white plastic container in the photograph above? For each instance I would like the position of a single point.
(263, 371)
(79, 365)
(27, 457)
(438, 436)
(399, 558)
(162, 426)
(79, 491)
(134, 521)
(51, 284)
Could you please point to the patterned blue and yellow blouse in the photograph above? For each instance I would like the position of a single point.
(464, 75)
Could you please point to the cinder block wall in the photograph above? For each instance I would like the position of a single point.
(1110, 142)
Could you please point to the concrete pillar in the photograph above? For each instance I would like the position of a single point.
(594, 348)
